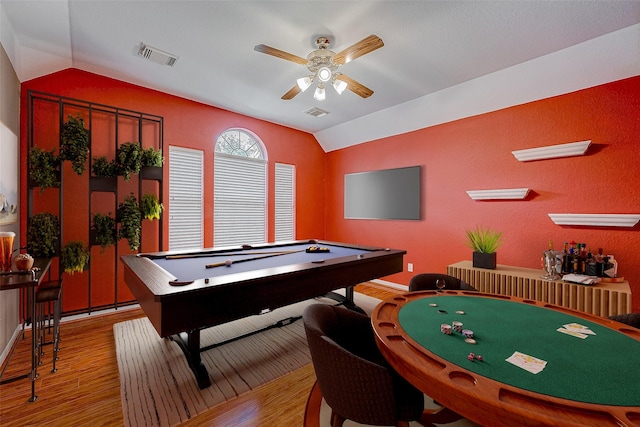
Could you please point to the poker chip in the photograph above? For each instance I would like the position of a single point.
(433, 305)
(459, 312)
(470, 341)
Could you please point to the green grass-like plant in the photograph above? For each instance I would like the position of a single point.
(74, 257)
(484, 240)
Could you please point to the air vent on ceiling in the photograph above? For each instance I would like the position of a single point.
(316, 112)
(156, 55)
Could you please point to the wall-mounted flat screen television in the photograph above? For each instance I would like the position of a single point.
(384, 194)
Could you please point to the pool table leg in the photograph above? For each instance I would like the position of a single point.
(346, 300)
(189, 342)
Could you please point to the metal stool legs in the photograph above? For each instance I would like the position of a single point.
(47, 293)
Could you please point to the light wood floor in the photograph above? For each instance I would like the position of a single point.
(86, 389)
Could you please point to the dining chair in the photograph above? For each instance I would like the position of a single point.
(355, 380)
(427, 281)
(631, 319)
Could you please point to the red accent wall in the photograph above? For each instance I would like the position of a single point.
(468, 154)
(475, 154)
(186, 124)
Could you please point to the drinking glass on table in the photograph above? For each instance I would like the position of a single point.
(6, 250)
(440, 284)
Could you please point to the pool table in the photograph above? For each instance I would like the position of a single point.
(589, 379)
(182, 292)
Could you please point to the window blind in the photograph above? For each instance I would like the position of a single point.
(285, 202)
(239, 195)
(185, 198)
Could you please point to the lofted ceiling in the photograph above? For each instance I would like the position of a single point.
(429, 46)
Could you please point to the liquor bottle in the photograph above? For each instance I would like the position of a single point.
(566, 261)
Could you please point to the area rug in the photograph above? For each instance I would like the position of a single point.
(158, 388)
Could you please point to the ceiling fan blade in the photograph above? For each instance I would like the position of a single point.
(280, 54)
(292, 92)
(364, 46)
(355, 87)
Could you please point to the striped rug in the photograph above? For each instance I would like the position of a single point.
(158, 388)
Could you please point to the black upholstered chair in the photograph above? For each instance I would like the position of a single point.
(631, 319)
(427, 281)
(355, 380)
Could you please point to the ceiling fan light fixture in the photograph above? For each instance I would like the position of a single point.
(319, 95)
(304, 83)
(339, 86)
(324, 74)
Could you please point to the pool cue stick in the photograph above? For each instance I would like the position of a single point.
(206, 255)
(220, 264)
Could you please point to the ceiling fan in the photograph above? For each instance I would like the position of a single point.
(323, 65)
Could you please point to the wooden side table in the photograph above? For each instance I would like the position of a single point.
(28, 280)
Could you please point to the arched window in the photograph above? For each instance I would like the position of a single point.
(239, 189)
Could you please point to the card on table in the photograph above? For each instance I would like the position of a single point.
(526, 362)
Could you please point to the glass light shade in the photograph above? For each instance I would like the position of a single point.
(339, 86)
(319, 95)
(304, 83)
(324, 74)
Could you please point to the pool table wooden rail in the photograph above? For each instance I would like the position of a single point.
(482, 399)
(174, 309)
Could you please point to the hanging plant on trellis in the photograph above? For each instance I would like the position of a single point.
(44, 168)
(130, 220)
(152, 157)
(105, 228)
(103, 168)
(151, 207)
(129, 159)
(43, 233)
(74, 144)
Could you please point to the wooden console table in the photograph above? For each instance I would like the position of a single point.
(603, 299)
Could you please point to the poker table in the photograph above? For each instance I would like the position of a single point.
(592, 379)
(182, 292)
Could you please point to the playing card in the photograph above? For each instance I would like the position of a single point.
(526, 362)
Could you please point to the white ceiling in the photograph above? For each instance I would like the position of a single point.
(429, 46)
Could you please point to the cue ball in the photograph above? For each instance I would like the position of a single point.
(228, 263)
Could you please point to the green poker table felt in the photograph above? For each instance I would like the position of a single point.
(601, 369)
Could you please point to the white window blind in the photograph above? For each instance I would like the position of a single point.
(185, 198)
(285, 202)
(240, 195)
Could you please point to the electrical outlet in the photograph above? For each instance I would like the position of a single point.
(410, 267)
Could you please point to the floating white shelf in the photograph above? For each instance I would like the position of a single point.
(596, 220)
(507, 193)
(552, 151)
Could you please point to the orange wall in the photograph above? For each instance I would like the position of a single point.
(475, 154)
(195, 125)
(468, 154)
(186, 124)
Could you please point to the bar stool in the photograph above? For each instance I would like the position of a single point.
(46, 294)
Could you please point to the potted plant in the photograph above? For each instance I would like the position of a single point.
(152, 158)
(103, 168)
(74, 257)
(104, 230)
(484, 242)
(43, 233)
(150, 207)
(74, 145)
(44, 168)
(130, 220)
(129, 159)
